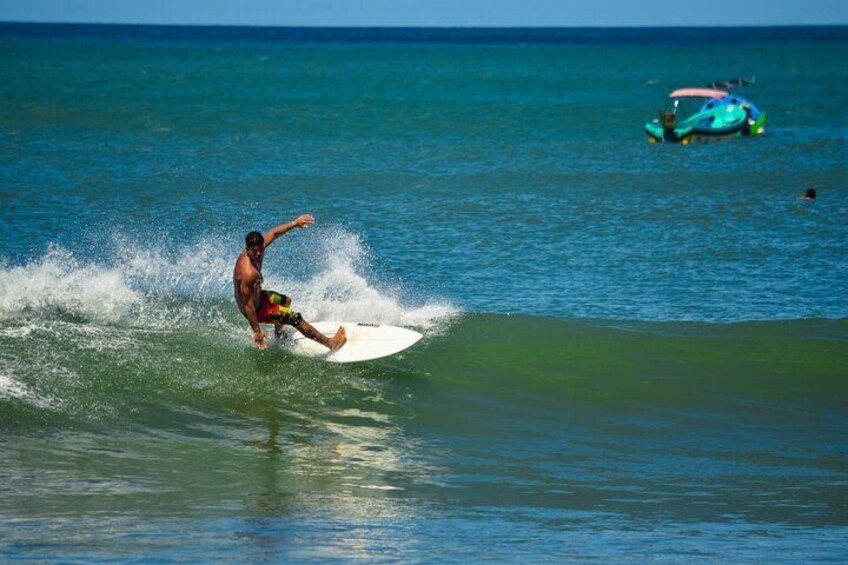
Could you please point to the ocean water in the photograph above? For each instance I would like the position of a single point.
(632, 352)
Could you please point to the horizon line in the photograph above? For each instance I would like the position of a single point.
(434, 27)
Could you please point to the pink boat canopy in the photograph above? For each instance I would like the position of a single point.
(703, 92)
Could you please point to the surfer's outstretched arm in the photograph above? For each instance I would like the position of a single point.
(303, 221)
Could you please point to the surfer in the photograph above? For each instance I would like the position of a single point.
(265, 306)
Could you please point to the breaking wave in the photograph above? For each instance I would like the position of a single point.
(158, 286)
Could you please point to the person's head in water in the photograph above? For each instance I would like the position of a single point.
(809, 195)
(254, 243)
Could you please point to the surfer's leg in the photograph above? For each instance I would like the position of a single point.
(286, 311)
(283, 315)
(276, 308)
(333, 343)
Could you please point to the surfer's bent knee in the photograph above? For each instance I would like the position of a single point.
(304, 328)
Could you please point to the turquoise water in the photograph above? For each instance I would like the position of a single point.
(632, 352)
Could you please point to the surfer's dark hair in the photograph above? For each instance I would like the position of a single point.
(254, 239)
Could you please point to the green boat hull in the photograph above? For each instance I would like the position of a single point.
(726, 122)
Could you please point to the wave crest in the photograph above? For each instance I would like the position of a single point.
(170, 287)
(59, 284)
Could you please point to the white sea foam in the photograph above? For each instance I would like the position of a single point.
(18, 332)
(198, 269)
(12, 389)
(58, 283)
(159, 285)
(340, 288)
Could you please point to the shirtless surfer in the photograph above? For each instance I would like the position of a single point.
(266, 306)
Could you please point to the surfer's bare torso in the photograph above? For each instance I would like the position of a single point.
(260, 306)
(247, 282)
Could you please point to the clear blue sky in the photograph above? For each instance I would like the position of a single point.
(463, 13)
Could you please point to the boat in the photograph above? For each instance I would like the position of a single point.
(712, 113)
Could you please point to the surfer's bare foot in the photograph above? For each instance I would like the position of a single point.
(338, 340)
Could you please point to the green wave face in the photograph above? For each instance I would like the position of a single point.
(76, 372)
(589, 420)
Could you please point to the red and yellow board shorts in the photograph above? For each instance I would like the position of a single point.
(272, 309)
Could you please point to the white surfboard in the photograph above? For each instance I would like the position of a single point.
(364, 341)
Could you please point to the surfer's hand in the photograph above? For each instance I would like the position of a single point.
(304, 221)
(259, 339)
